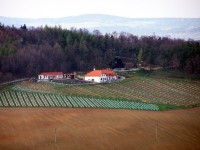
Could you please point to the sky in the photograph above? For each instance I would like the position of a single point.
(124, 8)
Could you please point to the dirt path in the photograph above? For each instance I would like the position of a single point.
(34, 128)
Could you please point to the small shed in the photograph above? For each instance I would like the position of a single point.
(71, 75)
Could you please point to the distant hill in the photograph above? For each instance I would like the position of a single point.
(185, 28)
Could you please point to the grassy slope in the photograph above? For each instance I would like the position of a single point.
(162, 74)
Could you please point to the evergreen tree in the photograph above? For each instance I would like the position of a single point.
(139, 57)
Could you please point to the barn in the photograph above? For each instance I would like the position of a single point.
(101, 76)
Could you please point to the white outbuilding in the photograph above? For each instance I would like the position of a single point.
(50, 76)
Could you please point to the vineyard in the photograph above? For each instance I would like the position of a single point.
(144, 89)
(28, 99)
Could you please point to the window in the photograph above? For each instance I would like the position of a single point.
(101, 79)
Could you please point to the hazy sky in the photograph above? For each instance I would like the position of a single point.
(125, 8)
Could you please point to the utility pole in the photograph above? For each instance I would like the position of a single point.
(157, 130)
(55, 135)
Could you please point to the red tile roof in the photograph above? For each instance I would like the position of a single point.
(98, 73)
(51, 73)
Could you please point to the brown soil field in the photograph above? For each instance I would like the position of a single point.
(98, 129)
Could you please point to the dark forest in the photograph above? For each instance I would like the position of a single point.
(25, 52)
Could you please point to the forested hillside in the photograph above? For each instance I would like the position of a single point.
(27, 52)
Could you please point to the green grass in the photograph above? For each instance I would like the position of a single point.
(8, 88)
(164, 107)
(174, 74)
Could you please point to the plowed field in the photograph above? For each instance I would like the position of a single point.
(85, 129)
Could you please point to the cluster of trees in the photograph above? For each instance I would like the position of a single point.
(29, 51)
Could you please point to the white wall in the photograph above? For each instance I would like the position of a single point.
(101, 79)
(96, 79)
(40, 77)
(46, 77)
(58, 76)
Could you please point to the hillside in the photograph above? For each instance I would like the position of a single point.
(184, 28)
(136, 92)
(27, 52)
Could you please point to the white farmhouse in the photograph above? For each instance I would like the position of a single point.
(100, 76)
(50, 75)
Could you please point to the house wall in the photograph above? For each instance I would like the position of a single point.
(93, 79)
(47, 77)
(101, 79)
(40, 77)
(59, 77)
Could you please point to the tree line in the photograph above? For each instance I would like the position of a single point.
(29, 51)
